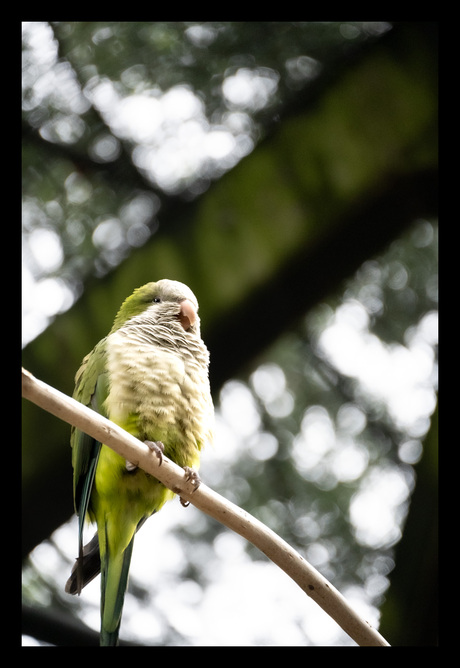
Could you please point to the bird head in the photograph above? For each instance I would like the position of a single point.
(164, 298)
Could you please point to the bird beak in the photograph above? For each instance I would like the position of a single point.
(188, 314)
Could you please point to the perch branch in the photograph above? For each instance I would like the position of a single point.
(211, 503)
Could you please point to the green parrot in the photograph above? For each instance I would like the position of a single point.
(149, 375)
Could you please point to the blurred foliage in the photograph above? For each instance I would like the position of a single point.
(76, 74)
(295, 386)
(307, 440)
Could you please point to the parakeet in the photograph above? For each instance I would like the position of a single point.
(149, 375)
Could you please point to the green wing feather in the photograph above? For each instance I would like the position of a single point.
(91, 388)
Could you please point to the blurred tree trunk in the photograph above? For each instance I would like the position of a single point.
(410, 612)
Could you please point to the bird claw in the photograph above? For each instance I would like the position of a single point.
(190, 476)
(157, 447)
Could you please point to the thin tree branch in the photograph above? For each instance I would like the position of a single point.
(211, 503)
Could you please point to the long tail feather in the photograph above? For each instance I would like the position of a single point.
(114, 571)
(86, 567)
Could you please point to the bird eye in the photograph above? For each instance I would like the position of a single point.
(157, 300)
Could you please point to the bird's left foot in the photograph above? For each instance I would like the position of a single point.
(190, 476)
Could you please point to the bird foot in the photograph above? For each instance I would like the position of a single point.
(190, 476)
(157, 447)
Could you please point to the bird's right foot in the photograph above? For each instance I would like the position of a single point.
(157, 447)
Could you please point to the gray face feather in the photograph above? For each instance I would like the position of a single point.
(175, 291)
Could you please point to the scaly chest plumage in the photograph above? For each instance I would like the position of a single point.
(157, 394)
